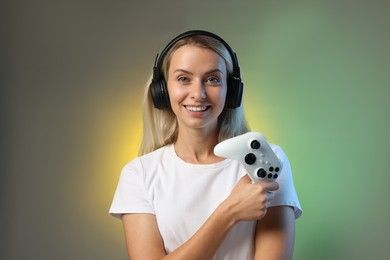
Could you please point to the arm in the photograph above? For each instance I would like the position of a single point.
(275, 234)
(144, 241)
(246, 202)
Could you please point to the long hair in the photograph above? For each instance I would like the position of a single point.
(160, 127)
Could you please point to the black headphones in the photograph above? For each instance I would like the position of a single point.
(158, 86)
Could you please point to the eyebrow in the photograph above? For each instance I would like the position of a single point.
(208, 72)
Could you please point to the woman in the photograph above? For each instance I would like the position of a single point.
(178, 200)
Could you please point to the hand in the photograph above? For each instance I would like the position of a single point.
(249, 201)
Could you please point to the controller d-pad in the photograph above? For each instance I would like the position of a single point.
(255, 144)
(261, 173)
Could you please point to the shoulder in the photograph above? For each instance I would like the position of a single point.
(148, 160)
(286, 195)
(156, 154)
(147, 167)
(278, 150)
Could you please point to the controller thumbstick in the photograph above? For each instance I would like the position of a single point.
(261, 173)
(255, 144)
(250, 158)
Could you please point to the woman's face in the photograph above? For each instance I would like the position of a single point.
(197, 87)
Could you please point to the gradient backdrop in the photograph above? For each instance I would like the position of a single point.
(316, 79)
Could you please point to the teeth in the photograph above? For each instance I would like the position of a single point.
(196, 109)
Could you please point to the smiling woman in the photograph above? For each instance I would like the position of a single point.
(178, 196)
(160, 125)
(197, 88)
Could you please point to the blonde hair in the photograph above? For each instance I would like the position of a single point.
(160, 127)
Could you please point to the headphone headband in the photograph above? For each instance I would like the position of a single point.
(160, 58)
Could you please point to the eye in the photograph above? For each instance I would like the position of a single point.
(183, 79)
(213, 81)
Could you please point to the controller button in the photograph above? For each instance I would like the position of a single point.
(275, 176)
(271, 169)
(255, 144)
(267, 162)
(250, 158)
(269, 175)
(261, 173)
(277, 169)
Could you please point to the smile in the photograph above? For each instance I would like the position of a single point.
(197, 108)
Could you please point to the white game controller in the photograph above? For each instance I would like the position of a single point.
(254, 153)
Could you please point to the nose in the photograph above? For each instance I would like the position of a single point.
(198, 91)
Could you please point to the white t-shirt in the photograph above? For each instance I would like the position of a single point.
(183, 195)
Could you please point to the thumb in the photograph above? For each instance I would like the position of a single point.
(245, 179)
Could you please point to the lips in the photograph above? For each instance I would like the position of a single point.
(197, 108)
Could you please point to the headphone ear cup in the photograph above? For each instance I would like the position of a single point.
(160, 96)
(234, 93)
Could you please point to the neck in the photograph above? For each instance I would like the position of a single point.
(197, 146)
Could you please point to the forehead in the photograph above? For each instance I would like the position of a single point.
(195, 57)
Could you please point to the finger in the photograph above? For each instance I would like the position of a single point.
(271, 186)
(270, 195)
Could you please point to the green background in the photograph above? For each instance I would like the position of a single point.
(316, 79)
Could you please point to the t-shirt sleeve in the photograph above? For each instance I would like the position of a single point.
(286, 195)
(131, 195)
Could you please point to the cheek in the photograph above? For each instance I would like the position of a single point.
(175, 93)
(177, 96)
(220, 96)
